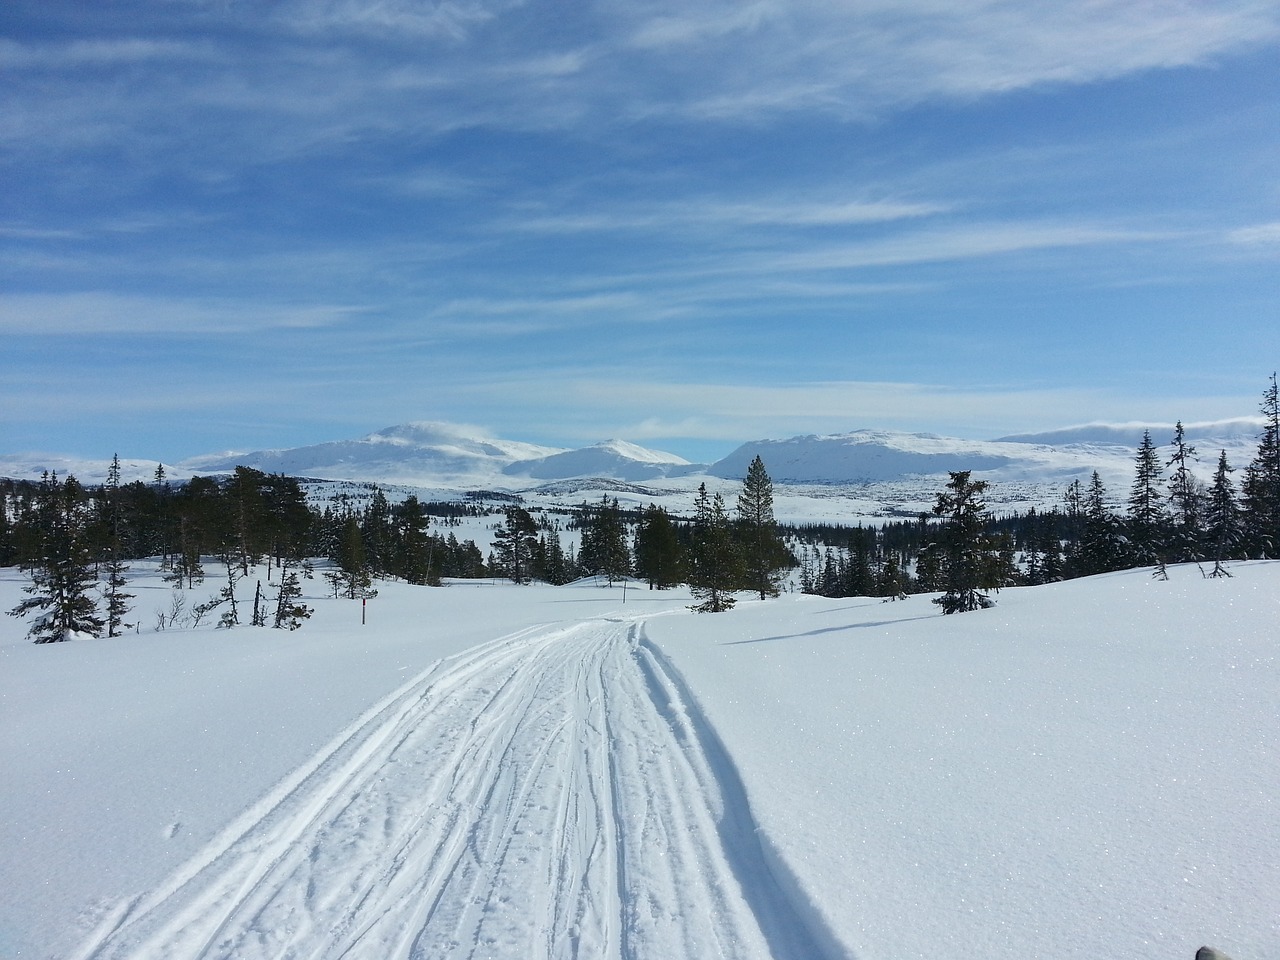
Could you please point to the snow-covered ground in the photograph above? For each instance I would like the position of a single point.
(1087, 769)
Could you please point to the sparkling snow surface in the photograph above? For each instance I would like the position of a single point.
(1087, 769)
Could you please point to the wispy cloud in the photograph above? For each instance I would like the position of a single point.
(1258, 235)
(112, 313)
(965, 242)
(704, 213)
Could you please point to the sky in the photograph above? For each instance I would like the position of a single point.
(231, 226)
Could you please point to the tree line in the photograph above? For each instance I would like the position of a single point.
(1169, 516)
(76, 542)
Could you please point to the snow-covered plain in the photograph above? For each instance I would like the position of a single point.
(1087, 769)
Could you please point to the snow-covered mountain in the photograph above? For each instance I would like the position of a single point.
(1206, 435)
(423, 452)
(863, 473)
(877, 456)
(612, 459)
(865, 456)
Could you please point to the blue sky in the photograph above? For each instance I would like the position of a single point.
(232, 225)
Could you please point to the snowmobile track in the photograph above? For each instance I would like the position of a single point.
(554, 793)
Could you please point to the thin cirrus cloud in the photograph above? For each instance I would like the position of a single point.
(105, 313)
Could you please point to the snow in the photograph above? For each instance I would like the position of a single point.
(486, 770)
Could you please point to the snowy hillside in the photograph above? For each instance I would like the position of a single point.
(1085, 770)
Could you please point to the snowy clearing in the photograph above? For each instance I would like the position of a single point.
(495, 771)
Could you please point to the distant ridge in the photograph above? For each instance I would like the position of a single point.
(612, 460)
(443, 460)
(1130, 434)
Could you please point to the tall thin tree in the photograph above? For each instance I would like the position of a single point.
(764, 555)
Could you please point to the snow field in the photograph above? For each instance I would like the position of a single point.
(495, 771)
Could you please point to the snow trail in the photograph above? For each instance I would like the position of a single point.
(551, 794)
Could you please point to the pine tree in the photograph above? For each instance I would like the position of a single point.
(764, 555)
(61, 574)
(353, 578)
(514, 543)
(714, 567)
(290, 610)
(604, 549)
(968, 556)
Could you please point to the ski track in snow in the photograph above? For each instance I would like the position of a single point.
(551, 794)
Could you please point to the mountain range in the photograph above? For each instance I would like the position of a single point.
(445, 461)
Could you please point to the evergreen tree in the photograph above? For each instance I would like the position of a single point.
(1222, 518)
(61, 574)
(290, 610)
(892, 583)
(1261, 487)
(1184, 500)
(604, 549)
(113, 564)
(714, 568)
(764, 555)
(413, 544)
(1147, 519)
(353, 578)
(514, 544)
(163, 522)
(660, 556)
(968, 557)
(1102, 547)
(249, 516)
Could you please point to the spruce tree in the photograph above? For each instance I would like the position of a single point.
(967, 556)
(659, 554)
(1222, 518)
(714, 566)
(764, 555)
(1147, 520)
(1184, 499)
(61, 574)
(113, 564)
(1102, 546)
(604, 549)
(1261, 487)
